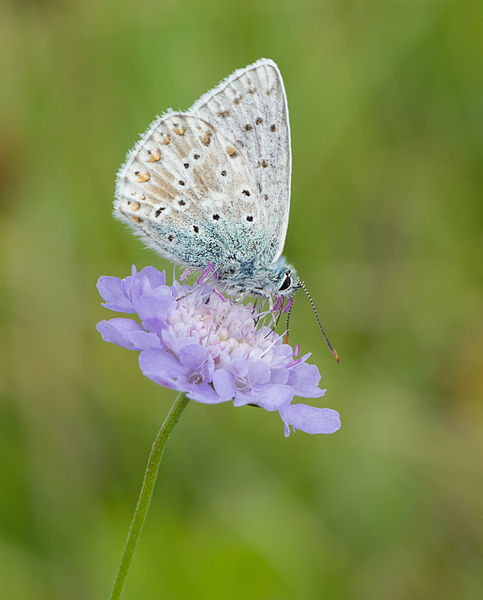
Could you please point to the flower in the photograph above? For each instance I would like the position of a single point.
(194, 340)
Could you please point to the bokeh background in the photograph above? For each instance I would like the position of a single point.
(385, 100)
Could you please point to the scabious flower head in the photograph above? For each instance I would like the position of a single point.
(195, 341)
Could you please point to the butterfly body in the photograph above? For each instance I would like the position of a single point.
(211, 186)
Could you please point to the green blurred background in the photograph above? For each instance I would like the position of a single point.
(386, 227)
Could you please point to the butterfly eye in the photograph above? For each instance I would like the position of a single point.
(286, 283)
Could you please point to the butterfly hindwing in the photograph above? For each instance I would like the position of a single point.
(187, 189)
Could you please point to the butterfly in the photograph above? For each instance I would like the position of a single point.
(210, 187)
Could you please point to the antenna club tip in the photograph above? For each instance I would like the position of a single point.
(336, 356)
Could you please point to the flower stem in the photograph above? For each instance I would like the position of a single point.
(146, 493)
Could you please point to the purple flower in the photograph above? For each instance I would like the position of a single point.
(215, 350)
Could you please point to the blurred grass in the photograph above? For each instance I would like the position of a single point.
(386, 228)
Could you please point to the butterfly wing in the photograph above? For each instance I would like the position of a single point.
(187, 190)
(251, 105)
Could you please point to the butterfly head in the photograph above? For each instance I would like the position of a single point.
(284, 281)
(289, 283)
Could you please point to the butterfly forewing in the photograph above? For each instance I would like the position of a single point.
(251, 105)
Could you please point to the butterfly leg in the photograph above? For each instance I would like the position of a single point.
(210, 270)
(277, 308)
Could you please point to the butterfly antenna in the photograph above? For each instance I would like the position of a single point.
(331, 348)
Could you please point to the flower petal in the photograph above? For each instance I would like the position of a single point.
(156, 278)
(144, 340)
(274, 396)
(224, 384)
(157, 304)
(120, 331)
(305, 380)
(146, 280)
(279, 375)
(244, 398)
(309, 418)
(204, 393)
(112, 290)
(191, 357)
(258, 373)
(160, 366)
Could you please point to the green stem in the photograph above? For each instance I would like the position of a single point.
(146, 493)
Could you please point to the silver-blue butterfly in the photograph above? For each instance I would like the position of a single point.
(211, 186)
